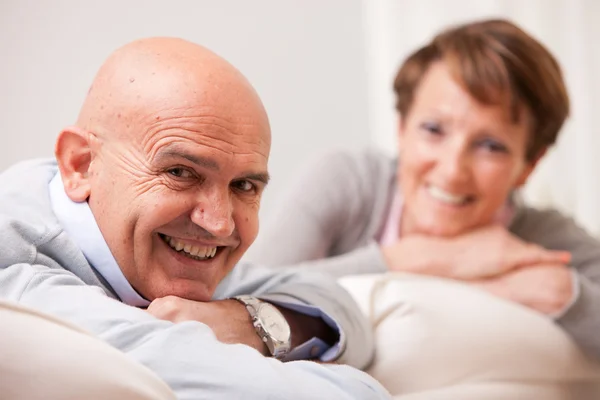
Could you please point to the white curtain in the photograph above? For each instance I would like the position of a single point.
(569, 176)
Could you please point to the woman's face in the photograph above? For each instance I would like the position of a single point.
(459, 159)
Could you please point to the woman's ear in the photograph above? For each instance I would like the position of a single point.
(529, 167)
(74, 156)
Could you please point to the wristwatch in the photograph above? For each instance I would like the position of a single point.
(271, 326)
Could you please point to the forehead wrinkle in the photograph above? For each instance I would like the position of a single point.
(178, 134)
(155, 120)
(179, 146)
(193, 108)
(189, 122)
(154, 139)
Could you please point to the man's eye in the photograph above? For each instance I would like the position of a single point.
(180, 172)
(244, 186)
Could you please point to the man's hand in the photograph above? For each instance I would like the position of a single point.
(482, 253)
(546, 288)
(228, 319)
(231, 322)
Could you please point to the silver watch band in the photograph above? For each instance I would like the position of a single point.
(278, 349)
(250, 302)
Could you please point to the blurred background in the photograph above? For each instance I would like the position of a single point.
(323, 68)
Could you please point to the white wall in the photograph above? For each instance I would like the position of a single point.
(305, 58)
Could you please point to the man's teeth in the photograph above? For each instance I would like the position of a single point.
(199, 252)
(445, 197)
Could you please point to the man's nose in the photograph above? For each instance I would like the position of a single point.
(214, 213)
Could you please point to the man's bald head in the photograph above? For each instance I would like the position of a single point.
(170, 151)
(161, 73)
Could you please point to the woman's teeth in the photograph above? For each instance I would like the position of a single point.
(445, 197)
(192, 251)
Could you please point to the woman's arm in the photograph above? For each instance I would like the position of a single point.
(569, 293)
(552, 230)
(481, 253)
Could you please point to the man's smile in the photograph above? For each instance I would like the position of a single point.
(191, 250)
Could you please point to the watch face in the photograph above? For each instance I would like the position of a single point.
(274, 323)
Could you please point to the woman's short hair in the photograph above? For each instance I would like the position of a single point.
(497, 63)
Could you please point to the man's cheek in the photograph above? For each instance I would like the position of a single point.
(253, 232)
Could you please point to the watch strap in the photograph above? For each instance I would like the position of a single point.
(277, 349)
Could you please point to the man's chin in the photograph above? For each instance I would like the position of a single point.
(185, 289)
(196, 293)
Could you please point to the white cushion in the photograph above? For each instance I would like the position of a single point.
(44, 358)
(440, 339)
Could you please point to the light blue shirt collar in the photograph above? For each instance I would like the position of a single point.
(80, 225)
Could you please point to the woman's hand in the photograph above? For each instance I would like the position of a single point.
(493, 250)
(547, 288)
(479, 254)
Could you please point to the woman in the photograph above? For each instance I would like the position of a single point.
(478, 107)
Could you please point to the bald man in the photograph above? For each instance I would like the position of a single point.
(135, 231)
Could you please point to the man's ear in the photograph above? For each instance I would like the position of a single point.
(73, 154)
(529, 167)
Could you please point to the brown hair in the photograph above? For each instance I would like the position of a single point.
(496, 62)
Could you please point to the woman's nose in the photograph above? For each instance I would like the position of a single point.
(454, 164)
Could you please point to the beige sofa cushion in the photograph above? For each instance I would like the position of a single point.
(43, 358)
(440, 339)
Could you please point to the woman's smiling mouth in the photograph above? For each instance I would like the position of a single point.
(446, 197)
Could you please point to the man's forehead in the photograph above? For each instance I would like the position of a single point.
(166, 78)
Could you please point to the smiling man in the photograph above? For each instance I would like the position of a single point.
(152, 200)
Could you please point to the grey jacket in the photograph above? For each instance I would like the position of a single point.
(337, 208)
(41, 267)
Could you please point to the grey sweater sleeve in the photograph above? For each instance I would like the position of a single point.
(552, 230)
(327, 218)
(185, 355)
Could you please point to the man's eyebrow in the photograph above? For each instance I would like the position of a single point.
(209, 163)
(259, 176)
(205, 162)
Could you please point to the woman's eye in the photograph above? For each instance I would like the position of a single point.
(180, 172)
(432, 127)
(244, 186)
(493, 146)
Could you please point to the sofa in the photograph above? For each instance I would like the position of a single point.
(441, 339)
